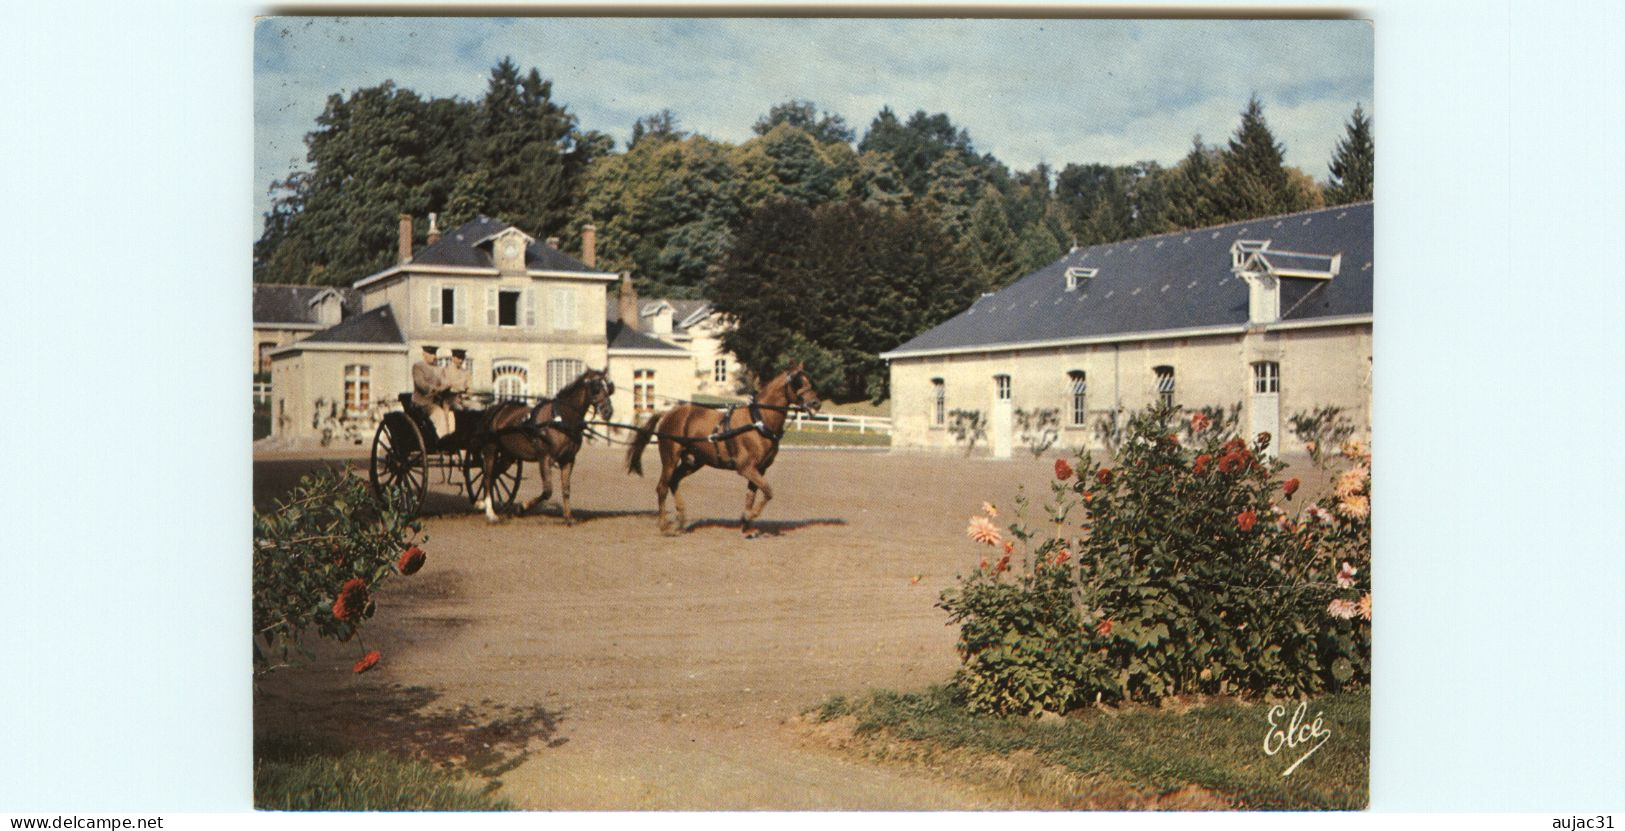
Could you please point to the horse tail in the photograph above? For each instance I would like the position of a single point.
(634, 454)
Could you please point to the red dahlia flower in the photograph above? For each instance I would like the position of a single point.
(1202, 462)
(1290, 487)
(1105, 627)
(411, 560)
(1062, 469)
(1247, 519)
(1104, 476)
(351, 601)
(1200, 422)
(366, 663)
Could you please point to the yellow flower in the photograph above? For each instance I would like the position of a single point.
(1353, 481)
(1355, 506)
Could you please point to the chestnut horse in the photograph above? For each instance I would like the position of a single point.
(743, 439)
(548, 433)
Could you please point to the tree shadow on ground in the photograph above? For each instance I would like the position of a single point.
(487, 739)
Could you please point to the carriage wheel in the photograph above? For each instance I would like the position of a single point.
(507, 484)
(398, 461)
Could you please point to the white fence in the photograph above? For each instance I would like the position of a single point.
(831, 422)
(262, 392)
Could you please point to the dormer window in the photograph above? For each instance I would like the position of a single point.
(1264, 269)
(1078, 275)
(507, 249)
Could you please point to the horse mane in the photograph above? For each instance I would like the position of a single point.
(573, 385)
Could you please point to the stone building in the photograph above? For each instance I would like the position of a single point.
(529, 316)
(1273, 314)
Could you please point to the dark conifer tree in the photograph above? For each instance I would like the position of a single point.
(1353, 163)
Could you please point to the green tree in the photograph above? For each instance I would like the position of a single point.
(1193, 188)
(378, 153)
(917, 145)
(804, 115)
(658, 126)
(785, 163)
(952, 193)
(835, 287)
(1353, 163)
(991, 242)
(1253, 177)
(666, 210)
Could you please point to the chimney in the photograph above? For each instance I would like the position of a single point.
(553, 243)
(589, 245)
(434, 228)
(627, 303)
(405, 254)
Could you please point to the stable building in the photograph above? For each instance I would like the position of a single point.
(1273, 314)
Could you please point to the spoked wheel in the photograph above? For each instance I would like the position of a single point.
(398, 462)
(506, 491)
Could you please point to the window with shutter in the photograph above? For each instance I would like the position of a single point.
(1165, 384)
(530, 308)
(434, 303)
(1077, 387)
(491, 307)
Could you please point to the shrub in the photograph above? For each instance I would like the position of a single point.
(1186, 568)
(318, 557)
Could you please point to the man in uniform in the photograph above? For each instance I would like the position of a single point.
(456, 377)
(429, 389)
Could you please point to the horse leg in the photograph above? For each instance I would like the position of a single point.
(488, 474)
(544, 468)
(669, 463)
(682, 472)
(564, 490)
(753, 509)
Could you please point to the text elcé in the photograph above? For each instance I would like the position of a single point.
(1295, 734)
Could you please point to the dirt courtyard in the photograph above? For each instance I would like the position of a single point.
(605, 666)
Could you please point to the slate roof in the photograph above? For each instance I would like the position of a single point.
(457, 248)
(281, 303)
(376, 326)
(681, 309)
(1179, 280)
(621, 337)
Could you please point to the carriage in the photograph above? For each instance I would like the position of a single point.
(403, 457)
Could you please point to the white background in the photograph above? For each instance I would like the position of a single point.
(124, 671)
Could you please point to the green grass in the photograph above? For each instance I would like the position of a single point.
(292, 775)
(1218, 746)
(837, 438)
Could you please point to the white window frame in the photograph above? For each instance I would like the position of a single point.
(1266, 378)
(643, 391)
(1002, 387)
(1077, 389)
(510, 379)
(561, 371)
(939, 402)
(719, 371)
(357, 388)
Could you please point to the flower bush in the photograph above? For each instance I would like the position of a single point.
(1187, 567)
(318, 557)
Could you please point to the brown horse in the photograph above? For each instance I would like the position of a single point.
(744, 439)
(548, 433)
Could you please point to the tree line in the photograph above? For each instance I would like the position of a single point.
(822, 245)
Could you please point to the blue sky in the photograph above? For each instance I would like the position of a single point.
(1058, 91)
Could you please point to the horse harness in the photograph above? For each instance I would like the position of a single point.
(719, 436)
